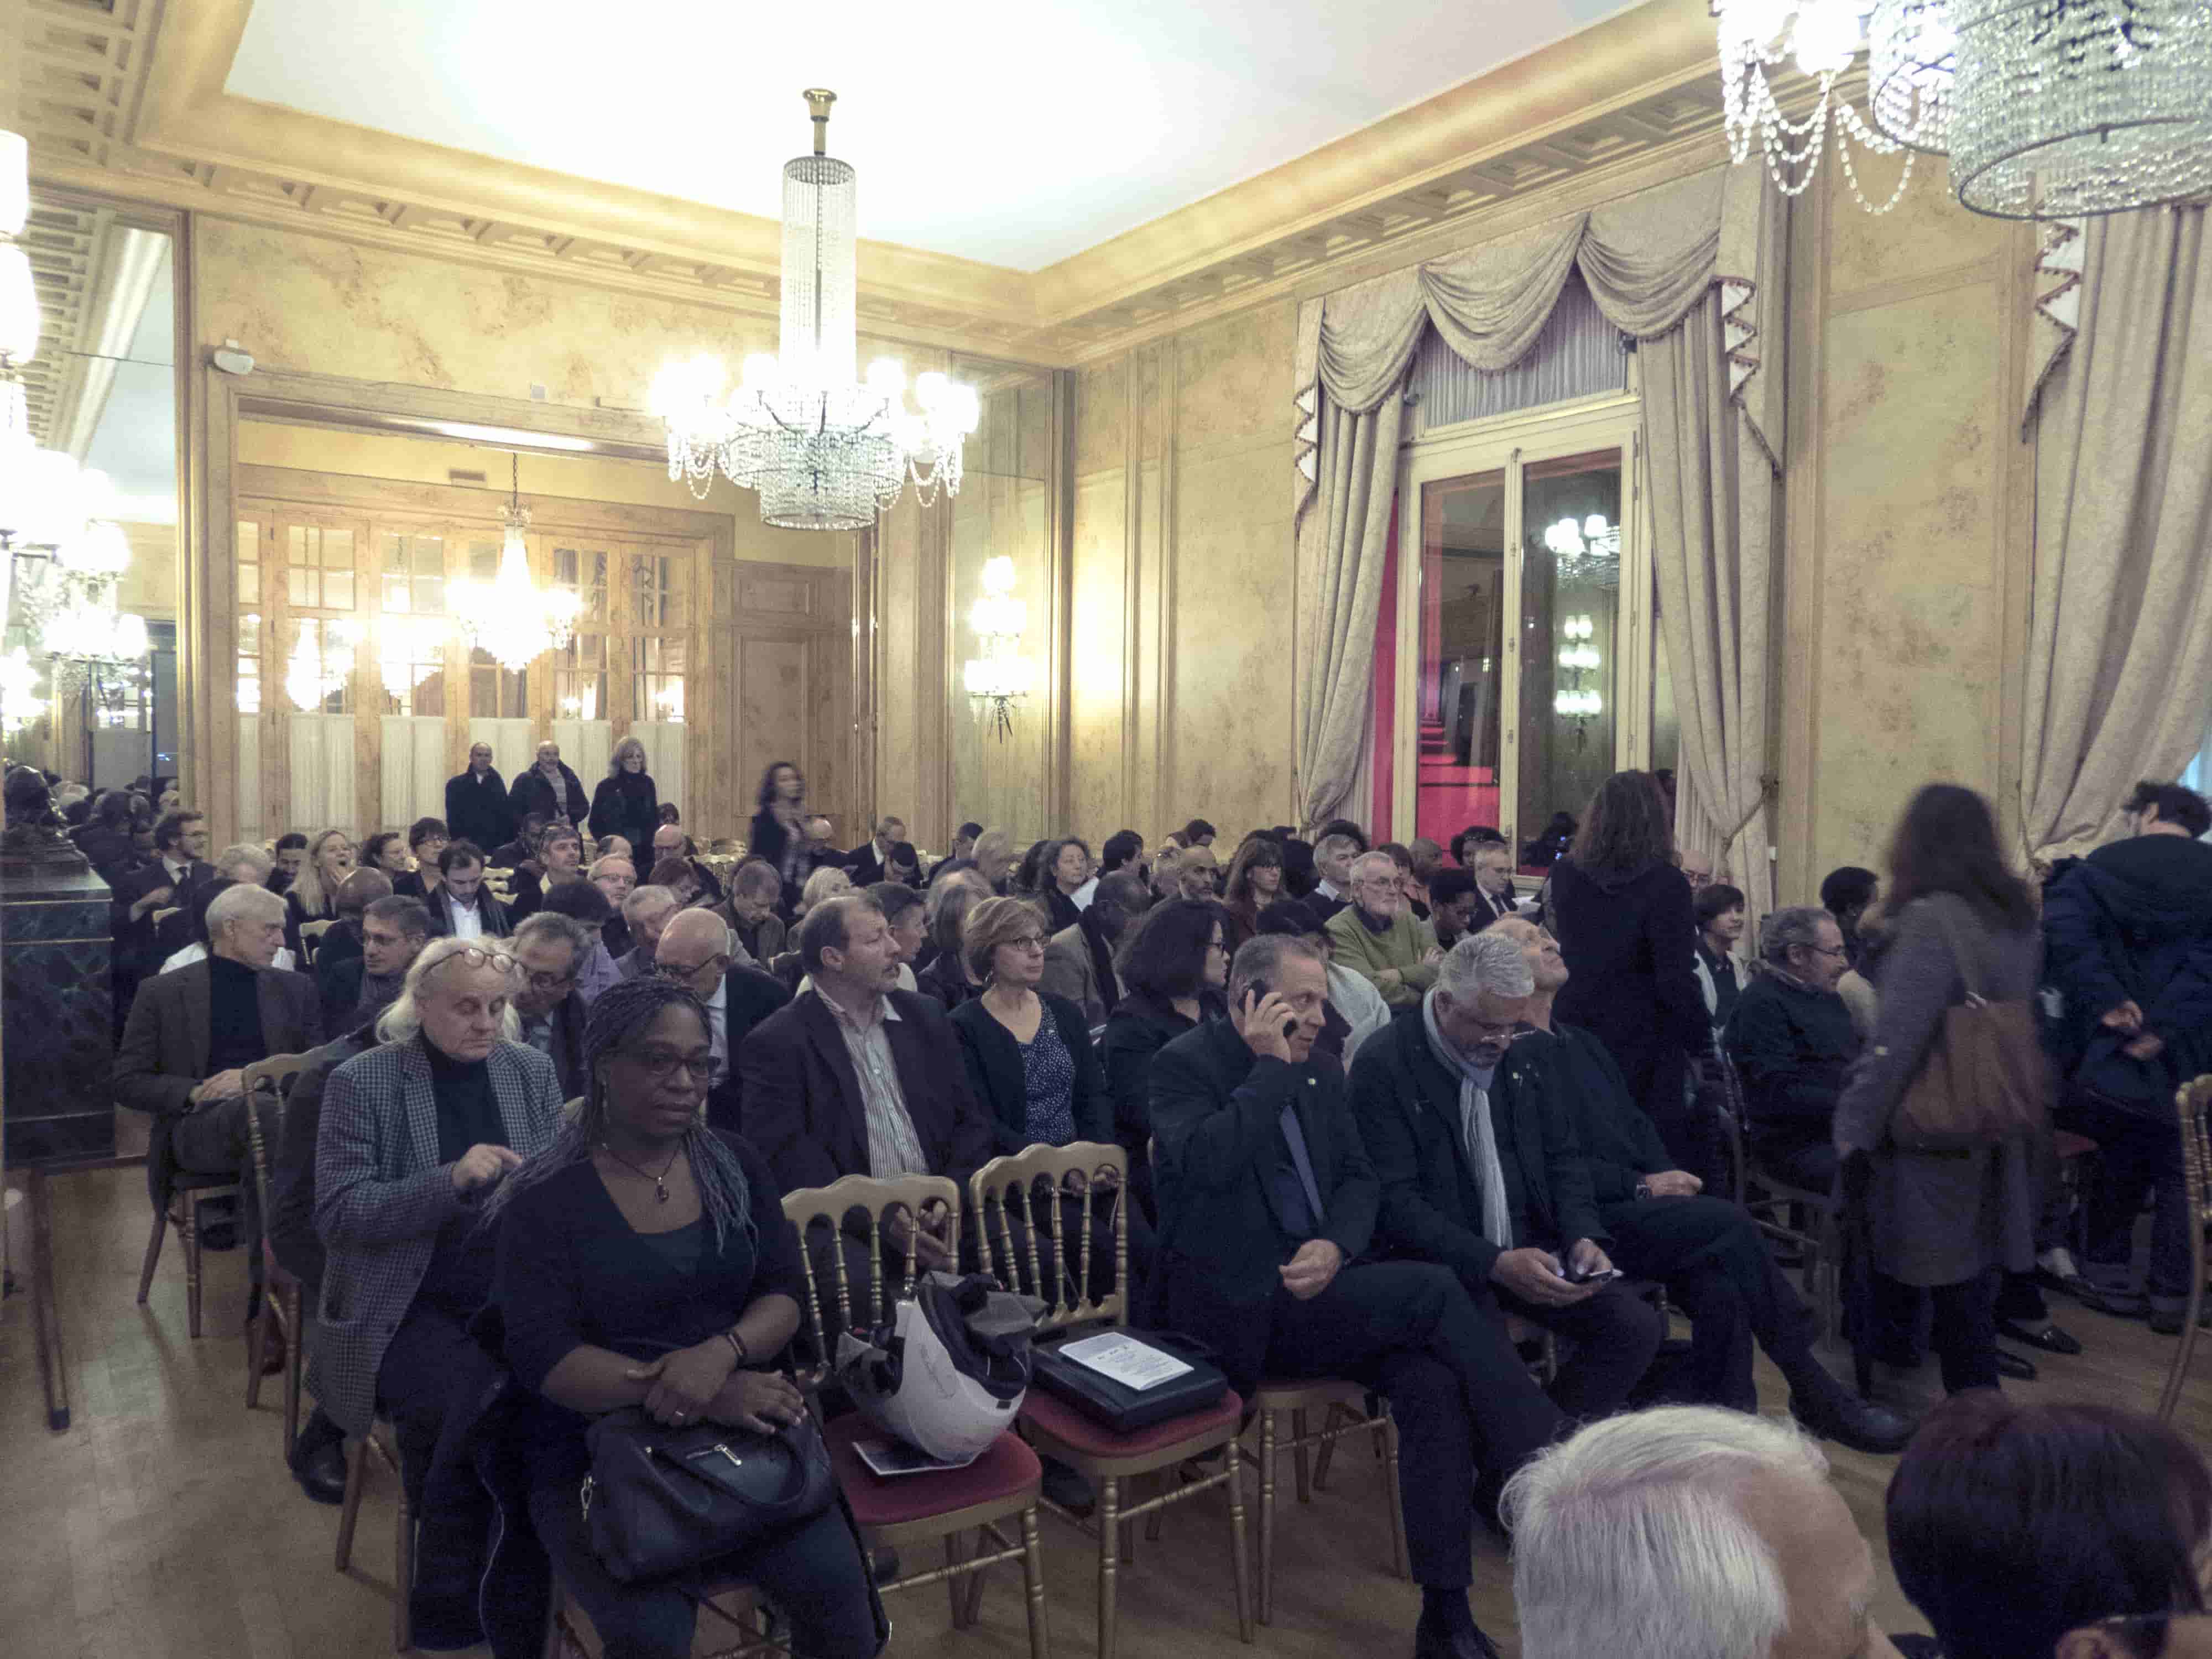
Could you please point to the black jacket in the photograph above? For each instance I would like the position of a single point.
(139, 946)
(1216, 1111)
(1408, 1110)
(749, 995)
(1136, 1031)
(479, 811)
(1632, 949)
(1792, 1048)
(628, 806)
(996, 1077)
(1619, 1145)
(945, 981)
(566, 1049)
(496, 923)
(338, 981)
(164, 1054)
(864, 864)
(292, 1233)
(531, 793)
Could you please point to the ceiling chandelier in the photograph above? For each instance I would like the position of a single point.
(508, 617)
(2063, 108)
(1823, 38)
(825, 450)
(1586, 552)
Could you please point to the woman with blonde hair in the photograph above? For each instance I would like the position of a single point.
(994, 857)
(314, 894)
(823, 884)
(625, 803)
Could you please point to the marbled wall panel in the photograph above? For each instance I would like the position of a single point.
(1233, 380)
(1909, 642)
(1099, 641)
(1101, 417)
(1928, 231)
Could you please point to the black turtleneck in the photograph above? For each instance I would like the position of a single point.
(460, 1272)
(233, 1016)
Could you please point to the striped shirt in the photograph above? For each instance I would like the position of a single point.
(894, 1148)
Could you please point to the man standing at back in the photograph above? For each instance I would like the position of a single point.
(548, 789)
(477, 808)
(2128, 948)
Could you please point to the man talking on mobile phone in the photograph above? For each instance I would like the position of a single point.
(1267, 1247)
(1480, 1171)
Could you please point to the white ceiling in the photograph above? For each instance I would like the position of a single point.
(1014, 131)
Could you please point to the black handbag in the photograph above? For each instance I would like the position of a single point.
(661, 1500)
(1123, 1408)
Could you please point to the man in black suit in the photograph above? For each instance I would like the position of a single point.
(191, 1032)
(550, 949)
(1333, 857)
(460, 907)
(180, 868)
(694, 949)
(1266, 1220)
(1493, 864)
(549, 788)
(355, 987)
(477, 807)
(1480, 1171)
(855, 1078)
(866, 862)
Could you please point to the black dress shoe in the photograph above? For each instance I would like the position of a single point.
(2018, 1367)
(1433, 1641)
(320, 1470)
(2047, 1337)
(1850, 1421)
(2120, 1304)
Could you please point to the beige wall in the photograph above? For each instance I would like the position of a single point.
(1907, 555)
(1180, 649)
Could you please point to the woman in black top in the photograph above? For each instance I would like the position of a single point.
(777, 835)
(1063, 868)
(625, 803)
(644, 1260)
(1175, 965)
(1720, 912)
(945, 974)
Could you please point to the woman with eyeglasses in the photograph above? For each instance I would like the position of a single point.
(645, 1260)
(416, 1136)
(1174, 969)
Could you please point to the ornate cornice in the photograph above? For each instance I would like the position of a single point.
(127, 96)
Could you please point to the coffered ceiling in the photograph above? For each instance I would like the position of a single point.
(1044, 181)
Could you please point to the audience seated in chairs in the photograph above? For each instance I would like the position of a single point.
(825, 884)
(425, 839)
(1254, 881)
(756, 890)
(1706, 1250)
(195, 931)
(943, 973)
(1792, 1042)
(583, 903)
(1078, 959)
(355, 987)
(1267, 1209)
(312, 895)
(341, 938)
(870, 862)
(858, 1077)
(460, 907)
(2058, 1530)
(559, 863)
(1719, 909)
(645, 911)
(180, 868)
(1457, 906)
(190, 1032)
(644, 1260)
(1689, 1531)
(694, 953)
(614, 877)
(1333, 857)
(1474, 1143)
(1356, 1009)
(669, 841)
(549, 951)
(415, 1135)
(1378, 935)
(1175, 972)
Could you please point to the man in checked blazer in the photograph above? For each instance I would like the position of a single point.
(415, 1135)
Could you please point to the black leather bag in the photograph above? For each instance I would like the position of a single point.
(660, 1499)
(1123, 1408)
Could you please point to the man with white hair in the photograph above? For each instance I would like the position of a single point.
(645, 911)
(1689, 1532)
(1378, 935)
(1480, 1171)
(615, 874)
(1333, 857)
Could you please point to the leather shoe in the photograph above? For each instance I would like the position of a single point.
(322, 1472)
(1850, 1421)
(2049, 1337)
(2018, 1367)
(2168, 1321)
(1433, 1641)
(2120, 1304)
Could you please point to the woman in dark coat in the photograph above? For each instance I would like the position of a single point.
(777, 833)
(1943, 1223)
(625, 803)
(1623, 916)
(1173, 968)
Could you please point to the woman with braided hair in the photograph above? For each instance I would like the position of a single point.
(644, 1260)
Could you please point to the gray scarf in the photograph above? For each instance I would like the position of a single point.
(378, 993)
(1478, 1135)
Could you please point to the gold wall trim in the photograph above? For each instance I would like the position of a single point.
(130, 99)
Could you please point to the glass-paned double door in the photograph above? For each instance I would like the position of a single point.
(1525, 668)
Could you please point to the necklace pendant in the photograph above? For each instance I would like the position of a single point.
(659, 1192)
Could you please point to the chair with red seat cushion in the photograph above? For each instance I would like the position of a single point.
(1016, 1201)
(894, 1511)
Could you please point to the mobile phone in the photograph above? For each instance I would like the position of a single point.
(1259, 989)
(1575, 1275)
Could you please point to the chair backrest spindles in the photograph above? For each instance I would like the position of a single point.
(831, 1210)
(1078, 1171)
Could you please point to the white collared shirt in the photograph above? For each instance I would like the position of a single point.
(468, 918)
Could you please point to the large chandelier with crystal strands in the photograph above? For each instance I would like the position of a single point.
(1822, 38)
(509, 617)
(824, 449)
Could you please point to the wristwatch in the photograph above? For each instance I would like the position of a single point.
(1643, 1189)
(737, 1346)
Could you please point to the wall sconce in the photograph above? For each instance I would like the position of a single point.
(1578, 657)
(1001, 677)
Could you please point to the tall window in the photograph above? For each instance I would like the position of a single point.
(411, 628)
(580, 668)
(249, 617)
(493, 692)
(324, 627)
(660, 613)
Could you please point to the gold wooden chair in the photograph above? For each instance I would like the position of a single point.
(1005, 1191)
(382, 1444)
(2192, 1103)
(1344, 1405)
(311, 939)
(1001, 1486)
(164, 914)
(280, 1293)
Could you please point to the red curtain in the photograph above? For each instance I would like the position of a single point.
(1384, 703)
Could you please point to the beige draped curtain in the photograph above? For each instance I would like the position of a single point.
(2120, 638)
(1695, 267)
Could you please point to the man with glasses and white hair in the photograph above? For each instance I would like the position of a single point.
(695, 951)
(1792, 1041)
(549, 949)
(1689, 1532)
(1378, 935)
(415, 1135)
(645, 912)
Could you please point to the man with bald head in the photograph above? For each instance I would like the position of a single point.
(341, 938)
(669, 841)
(615, 874)
(695, 951)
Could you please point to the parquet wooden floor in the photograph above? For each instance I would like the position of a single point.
(163, 1526)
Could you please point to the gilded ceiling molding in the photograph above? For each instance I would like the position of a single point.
(127, 96)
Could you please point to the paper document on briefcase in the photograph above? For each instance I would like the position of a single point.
(1125, 1360)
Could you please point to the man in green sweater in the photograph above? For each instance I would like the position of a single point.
(1378, 935)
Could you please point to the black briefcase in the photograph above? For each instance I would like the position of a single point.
(1121, 1408)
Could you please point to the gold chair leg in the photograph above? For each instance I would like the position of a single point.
(1109, 1559)
(1327, 1453)
(350, 1506)
(1157, 1519)
(257, 1340)
(2178, 1373)
(953, 1584)
(1033, 1585)
(1267, 1453)
(973, 1601)
(1239, 1565)
(153, 1254)
(189, 1226)
(293, 1367)
(1386, 1446)
(1303, 1454)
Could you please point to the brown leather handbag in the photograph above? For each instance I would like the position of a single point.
(1984, 1080)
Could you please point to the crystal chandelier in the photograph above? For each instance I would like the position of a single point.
(2062, 108)
(825, 451)
(1912, 60)
(1823, 38)
(1001, 677)
(1586, 552)
(508, 617)
(1578, 702)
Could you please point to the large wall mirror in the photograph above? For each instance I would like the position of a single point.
(103, 390)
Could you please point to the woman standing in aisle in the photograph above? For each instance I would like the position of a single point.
(625, 803)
